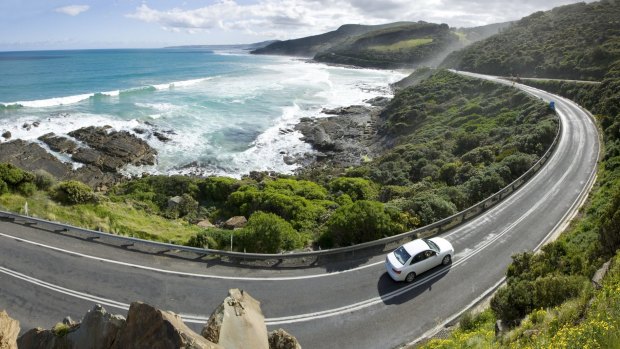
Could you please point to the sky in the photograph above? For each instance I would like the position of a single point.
(85, 24)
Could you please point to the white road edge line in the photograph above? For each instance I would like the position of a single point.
(207, 276)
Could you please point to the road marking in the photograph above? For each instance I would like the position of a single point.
(207, 276)
(286, 319)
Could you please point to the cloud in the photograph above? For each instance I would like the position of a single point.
(72, 10)
(294, 18)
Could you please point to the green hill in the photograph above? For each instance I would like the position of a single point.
(579, 41)
(311, 45)
(393, 45)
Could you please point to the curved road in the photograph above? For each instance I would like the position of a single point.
(46, 276)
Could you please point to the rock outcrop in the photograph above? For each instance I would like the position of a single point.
(280, 339)
(9, 330)
(237, 323)
(235, 222)
(59, 143)
(102, 150)
(345, 138)
(110, 150)
(147, 327)
(31, 157)
(98, 330)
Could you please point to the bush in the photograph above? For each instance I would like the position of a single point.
(269, 233)
(4, 188)
(27, 188)
(202, 240)
(609, 231)
(217, 188)
(359, 222)
(520, 297)
(356, 188)
(13, 175)
(43, 180)
(73, 192)
(429, 207)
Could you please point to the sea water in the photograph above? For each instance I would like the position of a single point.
(224, 113)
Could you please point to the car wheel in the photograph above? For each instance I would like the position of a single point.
(446, 260)
(410, 277)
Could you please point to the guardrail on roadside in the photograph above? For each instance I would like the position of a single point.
(300, 259)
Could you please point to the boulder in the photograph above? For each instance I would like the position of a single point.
(116, 147)
(7, 135)
(162, 137)
(500, 328)
(9, 330)
(38, 338)
(59, 143)
(280, 339)
(237, 323)
(147, 327)
(98, 329)
(205, 223)
(597, 279)
(235, 222)
(175, 201)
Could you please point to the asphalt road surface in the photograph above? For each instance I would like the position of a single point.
(45, 276)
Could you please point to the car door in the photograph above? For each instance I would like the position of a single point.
(424, 261)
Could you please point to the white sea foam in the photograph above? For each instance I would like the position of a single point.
(67, 100)
(234, 124)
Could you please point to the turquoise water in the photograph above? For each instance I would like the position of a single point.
(224, 112)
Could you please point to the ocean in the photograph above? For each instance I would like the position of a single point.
(224, 112)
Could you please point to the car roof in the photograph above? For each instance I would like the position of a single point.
(416, 246)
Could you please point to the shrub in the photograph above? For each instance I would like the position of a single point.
(73, 192)
(429, 207)
(609, 231)
(269, 233)
(4, 188)
(217, 188)
(359, 222)
(202, 240)
(13, 175)
(356, 188)
(520, 297)
(43, 180)
(27, 188)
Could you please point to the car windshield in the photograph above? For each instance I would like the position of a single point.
(433, 246)
(402, 255)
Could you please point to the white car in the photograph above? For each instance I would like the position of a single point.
(418, 256)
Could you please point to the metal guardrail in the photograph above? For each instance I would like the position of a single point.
(309, 258)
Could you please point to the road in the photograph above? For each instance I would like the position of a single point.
(45, 276)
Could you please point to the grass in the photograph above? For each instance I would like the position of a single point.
(112, 217)
(401, 45)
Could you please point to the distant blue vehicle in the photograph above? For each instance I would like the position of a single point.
(552, 105)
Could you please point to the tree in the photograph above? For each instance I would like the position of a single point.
(269, 233)
(359, 222)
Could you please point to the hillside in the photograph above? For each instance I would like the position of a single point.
(394, 45)
(579, 41)
(311, 45)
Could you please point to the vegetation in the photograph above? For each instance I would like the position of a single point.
(579, 41)
(400, 44)
(405, 45)
(547, 296)
(452, 142)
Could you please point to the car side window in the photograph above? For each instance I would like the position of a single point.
(429, 254)
(418, 257)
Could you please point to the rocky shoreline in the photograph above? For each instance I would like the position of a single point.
(101, 153)
(95, 155)
(346, 138)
